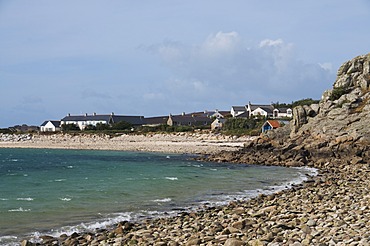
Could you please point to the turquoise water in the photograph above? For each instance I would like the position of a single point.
(44, 191)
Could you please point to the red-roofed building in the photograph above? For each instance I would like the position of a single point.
(273, 124)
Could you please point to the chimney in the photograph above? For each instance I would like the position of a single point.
(85, 114)
(94, 114)
(112, 113)
(69, 114)
(183, 113)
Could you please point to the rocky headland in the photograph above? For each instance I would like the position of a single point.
(332, 208)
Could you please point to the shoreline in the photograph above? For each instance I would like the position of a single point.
(176, 143)
(328, 209)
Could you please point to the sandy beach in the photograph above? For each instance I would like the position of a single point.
(184, 143)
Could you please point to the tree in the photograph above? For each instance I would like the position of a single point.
(121, 125)
(70, 127)
(239, 123)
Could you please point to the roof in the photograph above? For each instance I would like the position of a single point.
(94, 117)
(283, 110)
(243, 115)
(188, 118)
(274, 123)
(156, 120)
(277, 123)
(133, 120)
(267, 108)
(239, 108)
(55, 123)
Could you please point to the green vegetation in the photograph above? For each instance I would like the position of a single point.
(337, 92)
(305, 101)
(5, 130)
(70, 128)
(243, 126)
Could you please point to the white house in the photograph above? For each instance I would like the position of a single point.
(283, 113)
(82, 121)
(260, 110)
(218, 123)
(238, 110)
(50, 126)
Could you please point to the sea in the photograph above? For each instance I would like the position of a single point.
(53, 191)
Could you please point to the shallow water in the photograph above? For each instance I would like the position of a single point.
(45, 191)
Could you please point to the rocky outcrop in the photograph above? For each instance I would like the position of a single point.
(343, 112)
(336, 128)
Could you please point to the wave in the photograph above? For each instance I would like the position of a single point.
(9, 240)
(162, 200)
(19, 210)
(59, 180)
(171, 178)
(25, 199)
(65, 199)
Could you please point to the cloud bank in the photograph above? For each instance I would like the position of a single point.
(225, 68)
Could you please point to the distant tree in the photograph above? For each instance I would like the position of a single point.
(70, 127)
(101, 127)
(306, 101)
(122, 125)
(239, 123)
(90, 128)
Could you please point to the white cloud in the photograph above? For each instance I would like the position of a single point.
(221, 43)
(270, 42)
(327, 66)
(224, 65)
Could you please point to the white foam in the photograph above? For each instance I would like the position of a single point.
(59, 180)
(25, 199)
(171, 178)
(9, 240)
(19, 210)
(65, 199)
(162, 200)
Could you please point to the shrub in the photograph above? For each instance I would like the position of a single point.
(337, 92)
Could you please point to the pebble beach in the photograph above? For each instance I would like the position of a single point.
(331, 208)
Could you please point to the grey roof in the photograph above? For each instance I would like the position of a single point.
(189, 118)
(133, 120)
(156, 120)
(55, 123)
(239, 108)
(283, 110)
(243, 115)
(95, 117)
(267, 108)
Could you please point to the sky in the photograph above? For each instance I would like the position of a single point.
(153, 58)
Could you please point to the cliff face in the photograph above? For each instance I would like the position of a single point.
(334, 132)
(342, 116)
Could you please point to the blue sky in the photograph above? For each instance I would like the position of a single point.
(169, 56)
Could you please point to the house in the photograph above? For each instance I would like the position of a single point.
(273, 124)
(188, 120)
(260, 110)
(283, 113)
(82, 121)
(217, 124)
(50, 126)
(155, 121)
(237, 110)
(209, 113)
